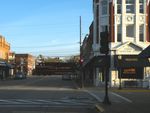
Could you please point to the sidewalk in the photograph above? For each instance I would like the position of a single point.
(124, 106)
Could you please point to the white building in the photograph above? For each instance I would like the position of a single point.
(128, 23)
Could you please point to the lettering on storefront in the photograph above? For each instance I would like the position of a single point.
(131, 59)
(129, 71)
(129, 49)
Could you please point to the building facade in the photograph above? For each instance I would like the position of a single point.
(4, 48)
(87, 56)
(5, 67)
(128, 24)
(24, 63)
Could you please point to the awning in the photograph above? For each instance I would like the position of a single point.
(99, 61)
(145, 53)
(5, 64)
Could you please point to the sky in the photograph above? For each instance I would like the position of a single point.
(47, 27)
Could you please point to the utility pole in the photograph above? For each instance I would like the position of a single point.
(81, 73)
(80, 34)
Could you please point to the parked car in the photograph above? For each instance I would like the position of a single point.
(20, 75)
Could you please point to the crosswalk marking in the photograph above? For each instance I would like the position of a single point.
(9, 101)
(44, 102)
(26, 101)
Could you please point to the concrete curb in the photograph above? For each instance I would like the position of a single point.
(99, 108)
(93, 95)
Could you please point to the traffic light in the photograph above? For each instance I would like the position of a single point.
(81, 61)
(104, 48)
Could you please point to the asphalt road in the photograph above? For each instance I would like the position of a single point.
(51, 94)
(48, 94)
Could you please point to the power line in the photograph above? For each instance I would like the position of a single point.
(39, 25)
(54, 45)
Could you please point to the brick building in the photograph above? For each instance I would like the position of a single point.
(128, 24)
(24, 63)
(5, 68)
(4, 48)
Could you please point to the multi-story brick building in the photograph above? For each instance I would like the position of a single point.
(128, 24)
(4, 48)
(24, 63)
(5, 68)
(87, 56)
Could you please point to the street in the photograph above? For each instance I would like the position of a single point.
(44, 94)
(51, 94)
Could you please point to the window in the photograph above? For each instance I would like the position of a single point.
(119, 9)
(104, 7)
(97, 1)
(141, 33)
(119, 33)
(97, 24)
(130, 1)
(141, 1)
(119, 1)
(130, 6)
(130, 31)
(103, 28)
(141, 7)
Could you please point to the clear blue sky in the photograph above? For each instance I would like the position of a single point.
(48, 27)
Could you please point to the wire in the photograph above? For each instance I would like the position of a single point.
(56, 45)
(39, 25)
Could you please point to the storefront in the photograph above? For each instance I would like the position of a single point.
(5, 70)
(131, 69)
(95, 69)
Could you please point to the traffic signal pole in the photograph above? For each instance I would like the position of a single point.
(105, 50)
(106, 73)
